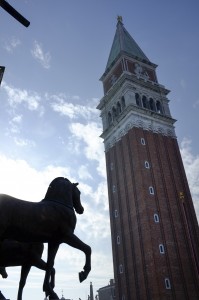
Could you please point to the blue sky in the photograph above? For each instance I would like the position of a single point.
(49, 125)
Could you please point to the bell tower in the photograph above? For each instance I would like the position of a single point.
(154, 229)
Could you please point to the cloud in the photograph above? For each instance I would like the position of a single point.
(94, 149)
(83, 173)
(18, 96)
(191, 165)
(23, 142)
(61, 105)
(21, 180)
(11, 44)
(38, 53)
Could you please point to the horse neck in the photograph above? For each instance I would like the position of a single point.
(59, 196)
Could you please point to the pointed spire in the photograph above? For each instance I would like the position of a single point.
(123, 43)
(91, 291)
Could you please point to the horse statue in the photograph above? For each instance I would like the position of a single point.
(13, 253)
(51, 221)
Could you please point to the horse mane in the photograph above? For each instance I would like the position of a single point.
(60, 190)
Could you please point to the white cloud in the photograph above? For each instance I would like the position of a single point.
(73, 111)
(18, 96)
(94, 148)
(19, 179)
(84, 173)
(11, 44)
(23, 142)
(38, 53)
(191, 164)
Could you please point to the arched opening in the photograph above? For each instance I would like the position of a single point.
(159, 107)
(144, 102)
(109, 118)
(137, 98)
(119, 109)
(151, 104)
(123, 102)
(114, 112)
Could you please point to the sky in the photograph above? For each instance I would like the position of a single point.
(49, 124)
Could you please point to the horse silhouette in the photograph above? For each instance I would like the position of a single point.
(26, 255)
(51, 221)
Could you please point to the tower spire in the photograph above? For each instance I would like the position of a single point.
(123, 43)
(91, 292)
(154, 229)
(119, 19)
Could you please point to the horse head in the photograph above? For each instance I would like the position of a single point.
(76, 199)
(61, 190)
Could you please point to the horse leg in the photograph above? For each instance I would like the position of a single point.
(40, 264)
(3, 272)
(73, 241)
(25, 269)
(52, 251)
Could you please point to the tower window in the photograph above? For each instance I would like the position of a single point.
(167, 283)
(144, 102)
(109, 118)
(156, 218)
(114, 112)
(159, 107)
(151, 190)
(143, 141)
(116, 213)
(114, 189)
(118, 239)
(123, 102)
(147, 165)
(111, 166)
(119, 109)
(161, 248)
(151, 104)
(121, 269)
(137, 98)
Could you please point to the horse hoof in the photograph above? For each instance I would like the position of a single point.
(82, 276)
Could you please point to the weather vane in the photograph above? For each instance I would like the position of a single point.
(14, 13)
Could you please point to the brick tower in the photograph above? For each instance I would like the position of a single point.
(155, 237)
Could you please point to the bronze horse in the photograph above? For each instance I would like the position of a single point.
(51, 221)
(26, 255)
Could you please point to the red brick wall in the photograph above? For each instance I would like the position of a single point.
(144, 268)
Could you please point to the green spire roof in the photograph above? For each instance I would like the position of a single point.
(124, 43)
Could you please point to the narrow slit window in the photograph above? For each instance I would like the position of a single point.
(111, 167)
(109, 118)
(116, 213)
(143, 141)
(121, 268)
(161, 248)
(114, 189)
(167, 283)
(151, 190)
(118, 239)
(156, 218)
(123, 102)
(137, 98)
(147, 165)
